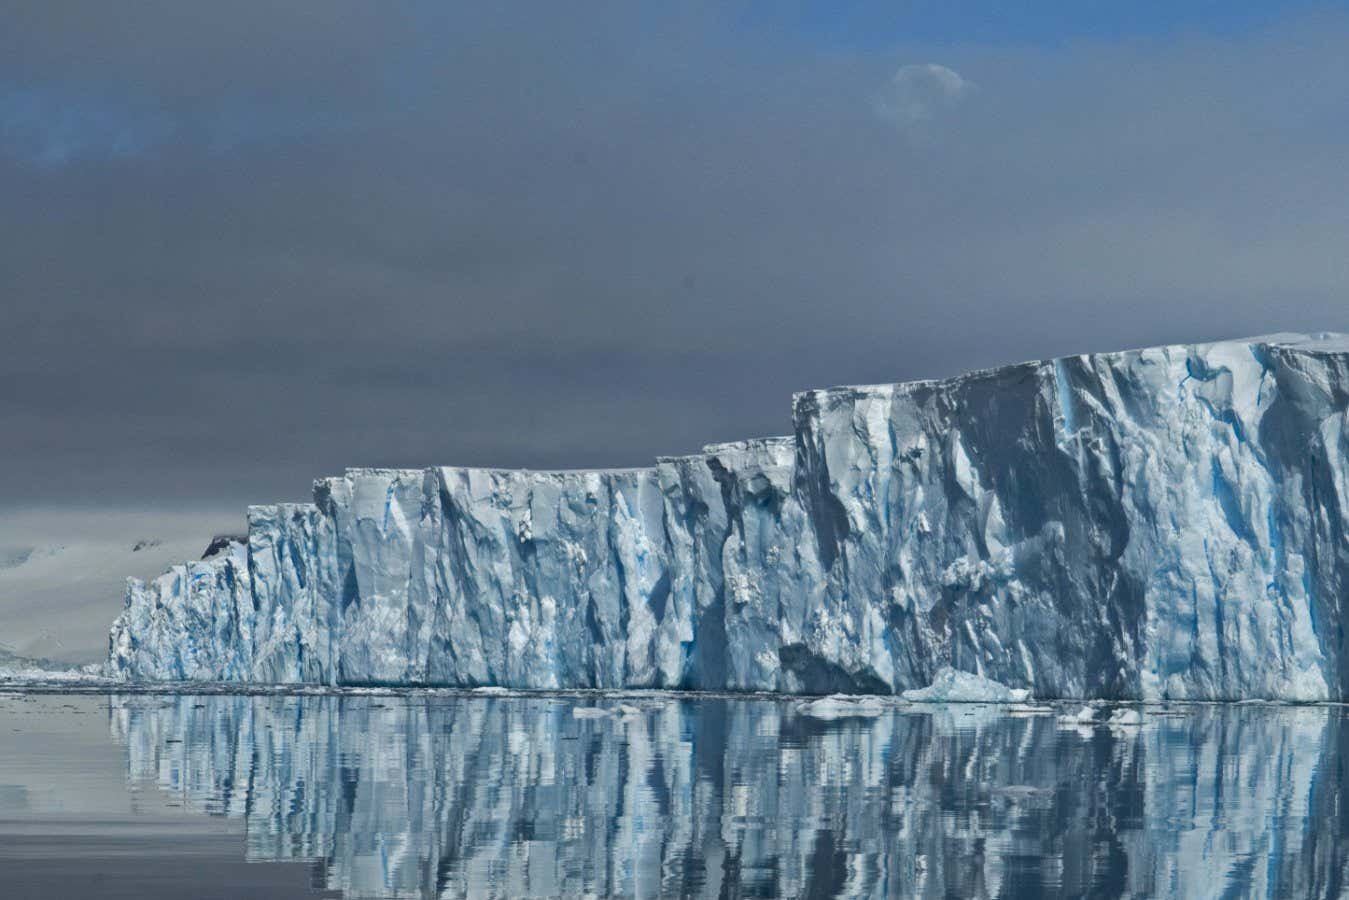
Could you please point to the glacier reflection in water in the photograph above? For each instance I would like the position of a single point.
(427, 795)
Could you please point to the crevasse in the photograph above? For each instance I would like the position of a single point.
(1158, 523)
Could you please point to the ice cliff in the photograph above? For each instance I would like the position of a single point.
(1159, 523)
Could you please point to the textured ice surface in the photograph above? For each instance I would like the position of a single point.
(1158, 523)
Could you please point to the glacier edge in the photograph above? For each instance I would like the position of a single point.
(1164, 523)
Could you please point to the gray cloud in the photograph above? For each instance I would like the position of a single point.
(247, 245)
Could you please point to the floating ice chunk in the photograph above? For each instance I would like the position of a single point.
(1127, 718)
(842, 706)
(1085, 715)
(952, 686)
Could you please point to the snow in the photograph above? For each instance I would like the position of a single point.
(1156, 524)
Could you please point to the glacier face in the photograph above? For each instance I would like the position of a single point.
(1158, 523)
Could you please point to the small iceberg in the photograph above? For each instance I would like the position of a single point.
(951, 686)
(1126, 718)
(1084, 716)
(842, 706)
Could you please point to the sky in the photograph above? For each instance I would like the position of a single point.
(244, 245)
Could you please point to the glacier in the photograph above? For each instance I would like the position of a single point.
(1163, 523)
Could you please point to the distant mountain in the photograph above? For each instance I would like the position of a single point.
(63, 573)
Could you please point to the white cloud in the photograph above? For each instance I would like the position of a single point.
(918, 92)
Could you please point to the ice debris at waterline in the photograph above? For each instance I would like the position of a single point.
(1159, 523)
(950, 686)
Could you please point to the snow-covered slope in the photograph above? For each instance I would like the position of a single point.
(63, 571)
(1167, 522)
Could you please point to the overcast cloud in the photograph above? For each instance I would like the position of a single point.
(242, 245)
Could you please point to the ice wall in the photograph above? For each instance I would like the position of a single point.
(1158, 523)
(1167, 522)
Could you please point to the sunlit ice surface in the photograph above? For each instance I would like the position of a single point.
(441, 794)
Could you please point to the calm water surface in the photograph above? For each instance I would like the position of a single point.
(423, 795)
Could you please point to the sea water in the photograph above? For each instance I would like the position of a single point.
(442, 794)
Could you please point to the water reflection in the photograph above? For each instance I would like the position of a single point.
(516, 797)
